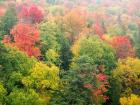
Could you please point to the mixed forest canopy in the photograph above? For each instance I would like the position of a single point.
(69, 52)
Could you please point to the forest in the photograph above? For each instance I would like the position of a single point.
(69, 52)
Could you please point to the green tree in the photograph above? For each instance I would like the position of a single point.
(136, 38)
(49, 31)
(52, 38)
(26, 80)
(13, 59)
(24, 97)
(8, 21)
(90, 51)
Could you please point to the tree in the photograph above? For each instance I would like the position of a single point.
(49, 33)
(123, 46)
(90, 51)
(42, 77)
(30, 14)
(82, 87)
(8, 21)
(74, 22)
(52, 57)
(52, 38)
(115, 30)
(3, 93)
(13, 59)
(44, 80)
(136, 39)
(25, 79)
(25, 38)
(23, 97)
(127, 76)
(98, 29)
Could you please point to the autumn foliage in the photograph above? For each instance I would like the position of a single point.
(74, 22)
(25, 38)
(30, 14)
(69, 52)
(99, 88)
(123, 46)
(98, 29)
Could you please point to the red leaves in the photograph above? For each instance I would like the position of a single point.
(35, 14)
(6, 39)
(123, 46)
(98, 29)
(99, 88)
(97, 92)
(25, 37)
(101, 77)
(31, 14)
(106, 98)
(88, 86)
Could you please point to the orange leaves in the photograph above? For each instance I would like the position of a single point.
(25, 38)
(25, 33)
(74, 22)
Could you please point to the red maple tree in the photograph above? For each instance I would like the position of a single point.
(123, 46)
(25, 38)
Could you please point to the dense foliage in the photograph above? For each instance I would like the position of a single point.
(8, 21)
(69, 52)
(91, 56)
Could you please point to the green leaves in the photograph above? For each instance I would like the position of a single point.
(8, 21)
(93, 51)
(3, 93)
(24, 97)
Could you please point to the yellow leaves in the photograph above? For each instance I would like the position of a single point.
(38, 71)
(131, 100)
(127, 65)
(43, 76)
(77, 45)
(127, 73)
(27, 81)
(106, 37)
(52, 56)
(45, 83)
(75, 48)
(44, 99)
